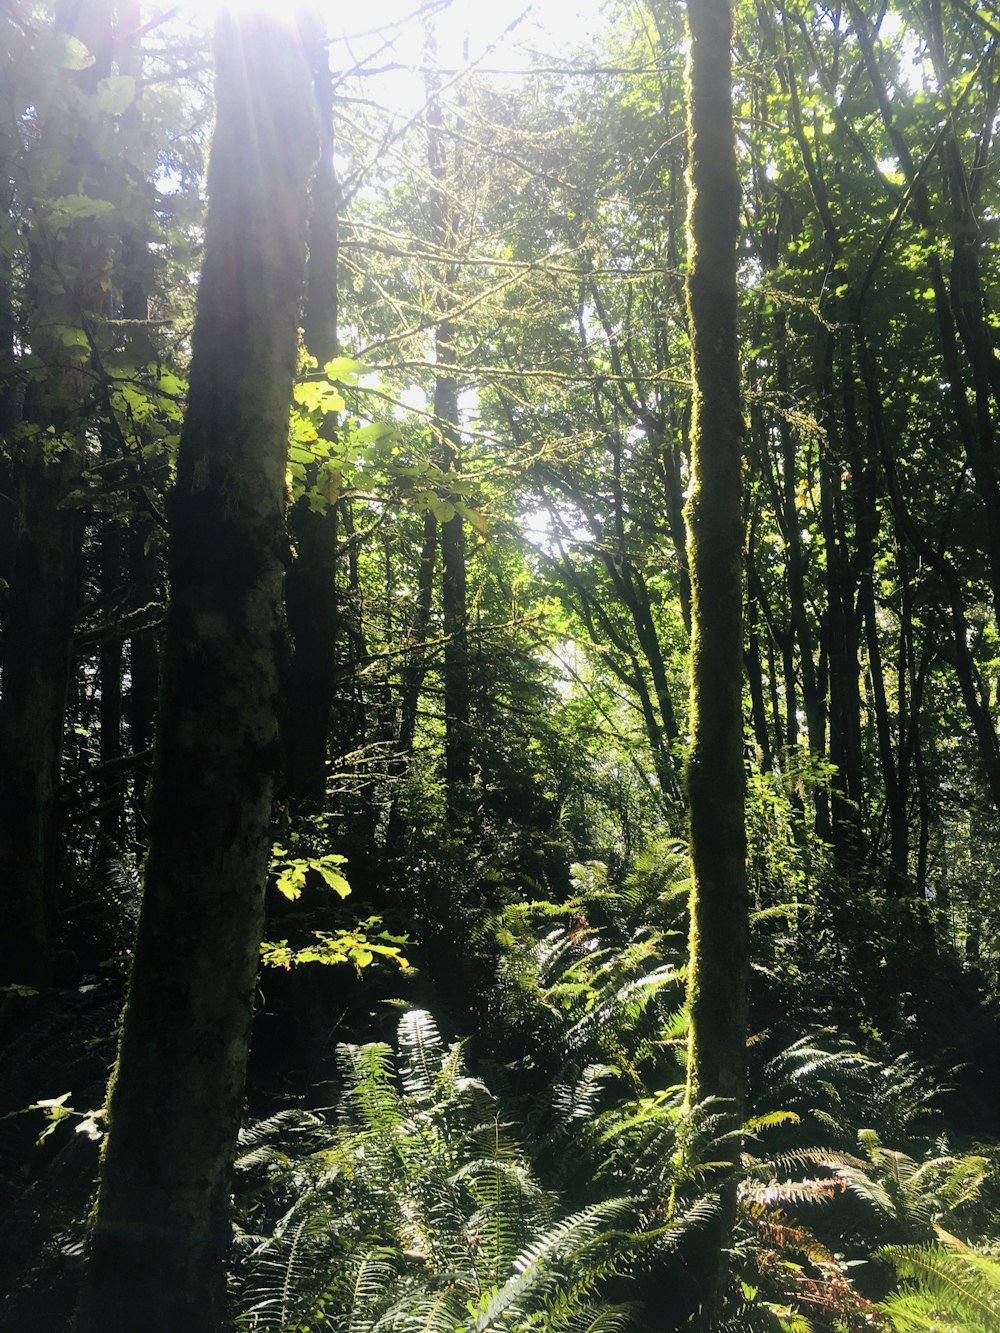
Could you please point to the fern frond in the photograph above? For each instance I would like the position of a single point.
(946, 1289)
(815, 1190)
(424, 1051)
(576, 1100)
(374, 1273)
(286, 1275)
(609, 1319)
(810, 1158)
(368, 1072)
(507, 1200)
(444, 1311)
(541, 1268)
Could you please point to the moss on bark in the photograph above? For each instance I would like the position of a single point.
(161, 1225)
(717, 993)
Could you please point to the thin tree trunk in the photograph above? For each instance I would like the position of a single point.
(797, 604)
(144, 571)
(143, 663)
(755, 674)
(311, 582)
(9, 397)
(958, 302)
(447, 449)
(718, 967)
(976, 704)
(110, 664)
(457, 693)
(161, 1225)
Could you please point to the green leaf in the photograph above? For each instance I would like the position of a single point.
(315, 396)
(116, 94)
(343, 370)
(69, 208)
(71, 53)
(331, 949)
(292, 872)
(292, 880)
(71, 337)
(51, 1103)
(334, 880)
(90, 1127)
(375, 432)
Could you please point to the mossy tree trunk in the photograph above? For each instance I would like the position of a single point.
(161, 1227)
(717, 994)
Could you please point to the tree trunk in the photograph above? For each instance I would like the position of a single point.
(755, 671)
(143, 664)
(717, 988)
(447, 443)
(160, 1226)
(457, 718)
(311, 581)
(68, 265)
(9, 396)
(144, 574)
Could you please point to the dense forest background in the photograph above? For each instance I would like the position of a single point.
(468, 1102)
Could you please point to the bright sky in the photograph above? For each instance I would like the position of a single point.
(384, 31)
(551, 22)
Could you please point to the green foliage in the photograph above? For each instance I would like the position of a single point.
(945, 1288)
(57, 1110)
(416, 1210)
(359, 945)
(833, 1087)
(292, 872)
(910, 1197)
(554, 914)
(600, 998)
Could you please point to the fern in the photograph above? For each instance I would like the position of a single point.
(422, 1048)
(912, 1196)
(828, 1082)
(946, 1287)
(414, 1210)
(559, 1264)
(373, 1273)
(789, 1280)
(288, 1273)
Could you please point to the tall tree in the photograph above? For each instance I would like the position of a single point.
(311, 583)
(447, 447)
(160, 1226)
(63, 188)
(717, 987)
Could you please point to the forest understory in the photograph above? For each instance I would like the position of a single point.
(500, 667)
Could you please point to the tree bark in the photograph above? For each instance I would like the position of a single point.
(311, 582)
(457, 709)
(144, 572)
(160, 1226)
(718, 967)
(447, 445)
(67, 266)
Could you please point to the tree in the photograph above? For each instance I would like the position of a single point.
(63, 195)
(719, 957)
(160, 1225)
(311, 600)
